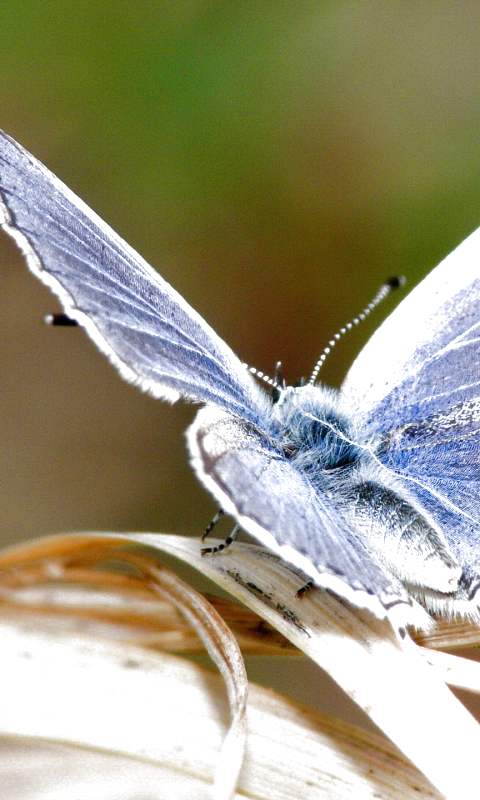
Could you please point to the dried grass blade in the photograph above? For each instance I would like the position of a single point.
(223, 649)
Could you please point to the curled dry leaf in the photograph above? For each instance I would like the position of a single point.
(387, 678)
(209, 626)
(459, 672)
(454, 634)
(224, 651)
(161, 710)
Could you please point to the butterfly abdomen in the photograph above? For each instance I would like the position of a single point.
(403, 539)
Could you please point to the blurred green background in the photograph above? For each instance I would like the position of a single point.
(274, 160)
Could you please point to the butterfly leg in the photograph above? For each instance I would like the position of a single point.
(223, 546)
(212, 524)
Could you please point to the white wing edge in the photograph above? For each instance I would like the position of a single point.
(110, 235)
(34, 263)
(400, 615)
(383, 362)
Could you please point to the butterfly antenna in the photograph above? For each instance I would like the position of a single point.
(276, 382)
(383, 292)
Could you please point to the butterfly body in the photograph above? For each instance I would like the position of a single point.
(373, 491)
(341, 461)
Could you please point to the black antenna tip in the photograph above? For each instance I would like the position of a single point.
(60, 319)
(395, 282)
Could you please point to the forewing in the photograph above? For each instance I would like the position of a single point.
(143, 325)
(425, 358)
(278, 505)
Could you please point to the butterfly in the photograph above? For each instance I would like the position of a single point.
(373, 491)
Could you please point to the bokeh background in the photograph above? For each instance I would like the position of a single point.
(275, 161)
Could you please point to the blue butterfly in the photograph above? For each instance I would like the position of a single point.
(373, 491)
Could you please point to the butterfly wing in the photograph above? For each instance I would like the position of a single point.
(418, 381)
(148, 331)
(423, 359)
(278, 505)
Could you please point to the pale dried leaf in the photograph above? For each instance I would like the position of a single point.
(385, 677)
(454, 670)
(202, 617)
(223, 649)
(39, 770)
(161, 710)
(449, 634)
(89, 600)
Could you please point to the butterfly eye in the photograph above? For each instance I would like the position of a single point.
(275, 394)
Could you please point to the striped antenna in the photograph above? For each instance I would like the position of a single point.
(261, 375)
(383, 292)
